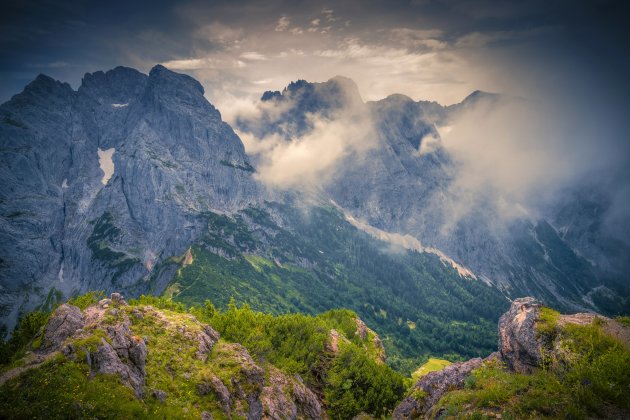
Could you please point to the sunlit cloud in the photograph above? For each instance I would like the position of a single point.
(283, 24)
(253, 56)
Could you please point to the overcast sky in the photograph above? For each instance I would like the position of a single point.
(427, 49)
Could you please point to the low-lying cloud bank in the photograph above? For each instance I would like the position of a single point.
(293, 158)
(512, 158)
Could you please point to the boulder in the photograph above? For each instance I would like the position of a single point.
(159, 395)
(220, 391)
(125, 356)
(118, 299)
(63, 323)
(287, 398)
(362, 329)
(519, 344)
(206, 339)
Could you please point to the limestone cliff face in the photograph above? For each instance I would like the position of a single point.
(66, 225)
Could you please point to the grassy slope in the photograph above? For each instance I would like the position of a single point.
(419, 306)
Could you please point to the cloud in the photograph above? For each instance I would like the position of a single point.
(253, 56)
(220, 33)
(419, 38)
(329, 14)
(283, 24)
(309, 160)
(187, 64)
(508, 154)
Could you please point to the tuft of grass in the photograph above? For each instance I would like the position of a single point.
(159, 302)
(623, 320)
(547, 322)
(87, 299)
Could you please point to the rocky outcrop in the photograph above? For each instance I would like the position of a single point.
(113, 338)
(206, 339)
(362, 329)
(221, 392)
(255, 392)
(432, 386)
(519, 343)
(109, 360)
(124, 355)
(118, 352)
(63, 323)
(284, 397)
(521, 349)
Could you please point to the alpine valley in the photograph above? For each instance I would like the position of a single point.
(134, 184)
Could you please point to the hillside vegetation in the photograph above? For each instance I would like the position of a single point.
(182, 363)
(419, 305)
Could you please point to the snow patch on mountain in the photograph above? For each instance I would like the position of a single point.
(106, 163)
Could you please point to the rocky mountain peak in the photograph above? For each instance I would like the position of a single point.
(331, 95)
(162, 75)
(117, 86)
(43, 92)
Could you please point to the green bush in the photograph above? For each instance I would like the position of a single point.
(88, 299)
(29, 326)
(357, 384)
(159, 302)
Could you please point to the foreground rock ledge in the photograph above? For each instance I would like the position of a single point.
(520, 348)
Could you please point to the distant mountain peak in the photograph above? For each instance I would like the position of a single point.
(479, 95)
(44, 83)
(159, 73)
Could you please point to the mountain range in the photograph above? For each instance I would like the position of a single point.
(134, 183)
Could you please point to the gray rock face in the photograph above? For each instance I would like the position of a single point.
(63, 323)
(125, 356)
(207, 339)
(108, 360)
(432, 386)
(519, 344)
(284, 397)
(63, 228)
